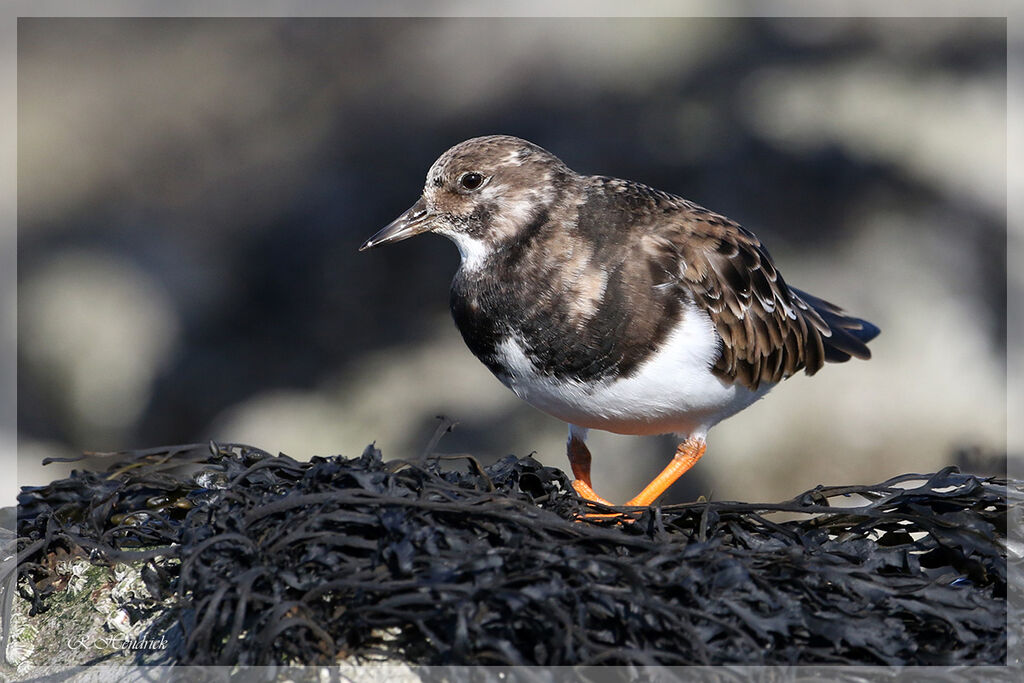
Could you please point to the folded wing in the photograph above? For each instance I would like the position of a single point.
(770, 330)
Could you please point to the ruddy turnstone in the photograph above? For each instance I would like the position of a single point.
(611, 305)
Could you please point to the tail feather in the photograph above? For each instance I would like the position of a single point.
(849, 336)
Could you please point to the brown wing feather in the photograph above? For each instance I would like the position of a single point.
(769, 330)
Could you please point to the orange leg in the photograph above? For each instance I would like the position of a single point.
(687, 455)
(579, 460)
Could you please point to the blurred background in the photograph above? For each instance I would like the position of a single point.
(192, 193)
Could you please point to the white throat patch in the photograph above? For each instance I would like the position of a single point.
(474, 252)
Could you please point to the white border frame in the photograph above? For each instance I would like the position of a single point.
(12, 10)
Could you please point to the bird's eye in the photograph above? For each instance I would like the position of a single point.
(471, 180)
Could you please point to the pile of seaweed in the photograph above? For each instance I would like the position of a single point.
(277, 561)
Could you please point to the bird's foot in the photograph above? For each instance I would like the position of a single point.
(687, 455)
(586, 492)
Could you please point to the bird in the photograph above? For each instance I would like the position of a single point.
(614, 306)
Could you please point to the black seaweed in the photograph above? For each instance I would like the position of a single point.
(284, 561)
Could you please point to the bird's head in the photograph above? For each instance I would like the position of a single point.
(482, 193)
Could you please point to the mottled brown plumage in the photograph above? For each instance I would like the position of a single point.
(669, 249)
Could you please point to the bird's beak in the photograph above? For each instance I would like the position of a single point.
(414, 221)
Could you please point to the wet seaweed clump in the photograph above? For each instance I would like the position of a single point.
(269, 560)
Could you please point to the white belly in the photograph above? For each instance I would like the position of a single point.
(674, 391)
